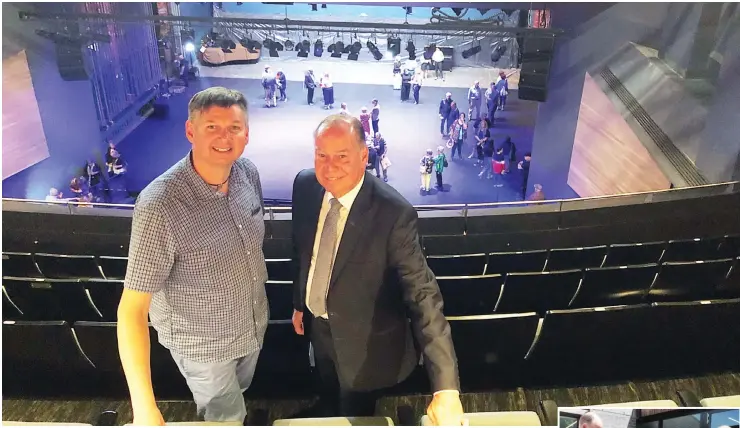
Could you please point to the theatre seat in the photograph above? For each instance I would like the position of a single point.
(516, 261)
(62, 266)
(687, 250)
(538, 291)
(10, 310)
(684, 281)
(491, 348)
(280, 299)
(39, 355)
(730, 246)
(458, 265)
(99, 341)
(482, 419)
(470, 295)
(20, 265)
(730, 289)
(113, 267)
(283, 365)
(335, 422)
(51, 299)
(575, 258)
(611, 286)
(199, 424)
(634, 254)
(105, 295)
(279, 269)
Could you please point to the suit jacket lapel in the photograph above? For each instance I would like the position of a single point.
(356, 227)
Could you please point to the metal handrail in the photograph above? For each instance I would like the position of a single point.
(731, 187)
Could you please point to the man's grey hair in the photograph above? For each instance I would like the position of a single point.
(216, 96)
(591, 419)
(355, 126)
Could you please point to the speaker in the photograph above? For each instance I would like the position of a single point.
(536, 60)
(70, 61)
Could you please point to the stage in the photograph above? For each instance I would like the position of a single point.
(281, 141)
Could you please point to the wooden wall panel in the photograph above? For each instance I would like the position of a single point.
(607, 157)
(24, 141)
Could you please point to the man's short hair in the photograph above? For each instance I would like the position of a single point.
(590, 419)
(216, 96)
(354, 124)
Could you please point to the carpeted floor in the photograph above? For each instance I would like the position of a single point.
(281, 142)
(519, 399)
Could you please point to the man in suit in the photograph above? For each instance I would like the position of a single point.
(360, 275)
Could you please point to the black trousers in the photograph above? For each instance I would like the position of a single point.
(416, 88)
(439, 180)
(309, 95)
(376, 126)
(339, 402)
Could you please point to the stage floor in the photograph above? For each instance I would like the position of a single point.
(281, 140)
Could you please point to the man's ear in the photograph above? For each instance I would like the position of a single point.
(189, 130)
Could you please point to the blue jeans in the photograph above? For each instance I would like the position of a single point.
(217, 387)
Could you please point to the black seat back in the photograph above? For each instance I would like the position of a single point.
(575, 258)
(280, 299)
(611, 286)
(38, 355)
(113, 267)
(538, 291)
(693, 249)
(491, 348)
(20, 265)
(62, 266)
(284, 356)
(49, 299)
(470, 295)
(684, 281)
(279, 269)
(634, 254)
(105, 295)
(516, 261)
(458, 265)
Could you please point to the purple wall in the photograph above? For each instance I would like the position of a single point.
(67, 113)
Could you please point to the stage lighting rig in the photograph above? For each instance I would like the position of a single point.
(338, 50)
(411, 49)
(354, 51)
(394, 45)
(374, 50)
(318, 48)
(470, 52)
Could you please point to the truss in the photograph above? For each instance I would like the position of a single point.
(456, 28)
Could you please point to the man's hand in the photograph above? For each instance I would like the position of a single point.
(148, 416)
(298, 322)
(446, 409)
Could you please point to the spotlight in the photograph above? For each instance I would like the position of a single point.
(374, 50)
(303, 48)
(408, 10)
(394, 45)
(267, 43)
(318, 48)
(277, 46)
(458, 10)
(332, 47)
(314, 7)
(347, 49)
(498, 52)
(289, 45)
(355, 49)
(323, 5)
(435, 9)
(189, 47)
(338, 50)
(470, 52)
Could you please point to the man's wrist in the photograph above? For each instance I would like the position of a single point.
(447, 390)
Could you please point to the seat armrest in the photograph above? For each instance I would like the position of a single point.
(107, 418)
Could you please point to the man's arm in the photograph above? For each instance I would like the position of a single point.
(422, 296)
(295, 258)
(151, 256)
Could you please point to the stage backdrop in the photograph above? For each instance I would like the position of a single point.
(24, 141)
(607, 157)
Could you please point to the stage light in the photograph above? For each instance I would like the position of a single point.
(323, 5)
(470, 52)
(314, 7)
(374, 50)
(318, 48)
(289, 45)
(354, 51)
(498, 52)
(435, 9)
(338, 50)
(189, 47)
(408, 10)
(394, 45)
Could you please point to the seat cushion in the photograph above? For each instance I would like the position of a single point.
(511, 419)
(335, 422)
(654, 404)
(729, 401)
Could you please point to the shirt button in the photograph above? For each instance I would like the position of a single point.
(240, 226)
(254, 278)
(249, 252)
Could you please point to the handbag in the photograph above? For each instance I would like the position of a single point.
(385, 162)
(423, 169)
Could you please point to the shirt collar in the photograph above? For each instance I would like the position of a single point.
(348, 199)
(200, 188)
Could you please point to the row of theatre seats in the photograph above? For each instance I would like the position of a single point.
(546, 415)
(502, 350)
(87, 288)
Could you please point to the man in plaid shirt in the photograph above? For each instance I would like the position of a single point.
(196, 267)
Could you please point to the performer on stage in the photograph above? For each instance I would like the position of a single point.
(328, 89)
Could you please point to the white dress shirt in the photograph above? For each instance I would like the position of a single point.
(346, 201)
